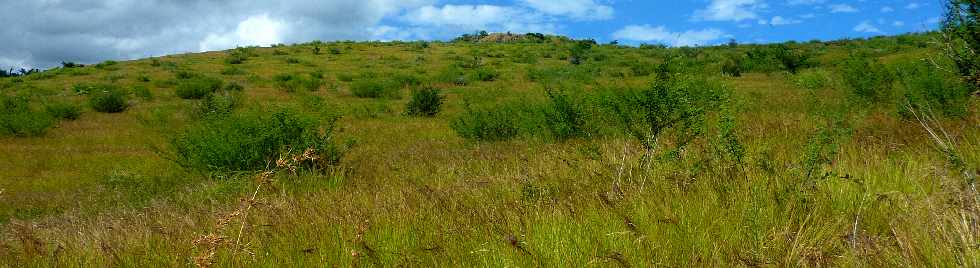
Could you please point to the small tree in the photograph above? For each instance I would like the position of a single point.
(426, 101)
(961, 33)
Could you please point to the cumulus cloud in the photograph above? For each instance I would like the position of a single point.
(577, 9)
(430, 21)
(730, 10)
(867, 27)
(647, 33)
(780, 20)
(256, 30)
(44, 33)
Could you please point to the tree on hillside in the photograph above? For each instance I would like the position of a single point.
(961, 33)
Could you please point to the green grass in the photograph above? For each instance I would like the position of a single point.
(785, 170)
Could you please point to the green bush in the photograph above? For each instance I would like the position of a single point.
(564, 117)
(928, 88)
(732, 66)
(867, 78)
(251, 141)
(295, 82)
(197, 87)
(485, 74)
(673, 107)
(811, 79)
(375, 88)
(18, 119)
(142, 92)
(483, 124)
(233, 86)
(61, 110)
(426, 101)
(216, 105)
(108, 99)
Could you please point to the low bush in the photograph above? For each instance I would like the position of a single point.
(811, 79)
(197, 87)
(295, 82)
(18, 119)
(216, 105)
(673, 110)
(485, 74)
(108, 99)
(251, 141)
(564, 117)
(426, 101)
(732, 67)
(867, 78)
(487, 124)
(142, 92)
(62, 110)
(927, 88)
(375, 88)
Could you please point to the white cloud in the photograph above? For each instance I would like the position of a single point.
(647, 33)
(912, 6)
(808, 16)
(576, 9)
(898, 23)
(730, 10)
(779, 20)
(887, 9)
(255, 30)
(455, 19)
(867, 27)
(842, 8)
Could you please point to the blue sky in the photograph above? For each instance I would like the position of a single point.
(44, 33)
(691, 22)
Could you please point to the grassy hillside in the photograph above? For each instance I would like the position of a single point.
(544, 152)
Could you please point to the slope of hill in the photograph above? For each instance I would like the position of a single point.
(532, 151)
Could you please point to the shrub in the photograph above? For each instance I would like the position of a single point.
(142, 92)
(481, 124)
(485, 74)
(232, 70)
(294, 82)
(451, 74)
(639, 68)
(214, 105)
(61, 110)
(927, 87)
(18, 119)
(961, 30)
(233, 86)
(564, 118)
(867, 78)
(811, 79)
(672, 106)
(82, 89)
(732, 66)
(108, 99)
(374, 88)
(108, 65)
(793, 60)
(345, 77)
(250, 141)
(197, 87)
(426, 101)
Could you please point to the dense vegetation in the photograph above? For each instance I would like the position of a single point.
(498, 150)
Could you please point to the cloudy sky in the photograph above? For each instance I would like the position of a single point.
(42, 33)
